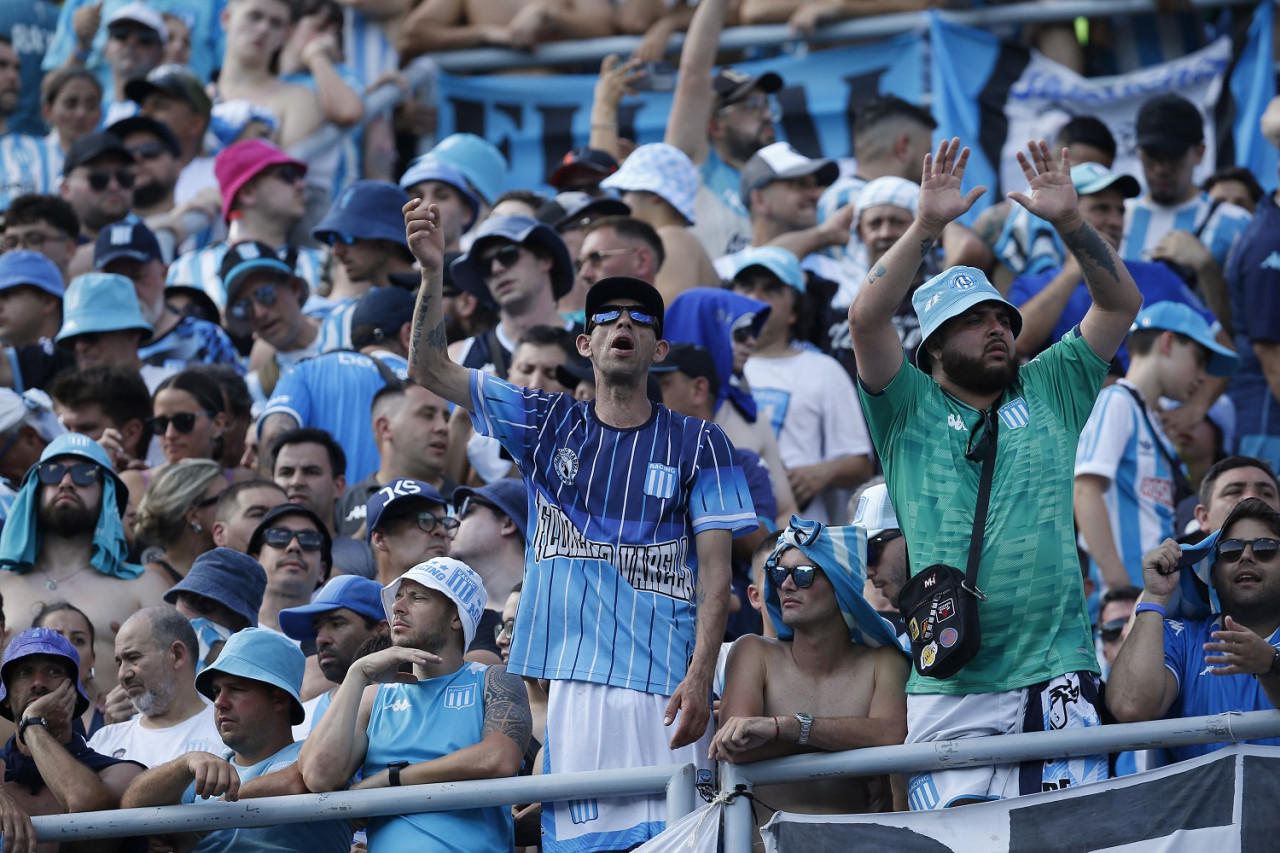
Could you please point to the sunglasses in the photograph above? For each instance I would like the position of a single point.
(99, 179)
(743, 334)
(145, 36)
(506, 257)
(280, 537)
(1264, 550)
(472, 502)
(342, 237)
(183, 422)
(612, 314)
(596, 258)
(875, 545)
(286, 172)
(149, 151)
(801, 575)
(427, 522)
(1110, 631)
(265, 296)
(82, 473)
(503, 630)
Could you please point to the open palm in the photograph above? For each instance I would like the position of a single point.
(1052, 195)
(941, 199)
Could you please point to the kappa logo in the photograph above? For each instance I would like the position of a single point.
(1271, 263)
(566, 465)
(399, 705)
(955, 422)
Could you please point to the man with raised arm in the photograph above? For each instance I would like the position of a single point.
(632, 511)
(1036, 667)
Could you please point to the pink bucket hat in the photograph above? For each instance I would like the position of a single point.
(237, 164)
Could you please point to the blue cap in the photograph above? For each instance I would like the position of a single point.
(951, 293)
(428, 167)
(41, 641)
(1090, 178)
(479, 161)
(26, 267)
(366, 210)
(234, 580)
(778, 261)
(100, 302)
(132, 240)
(402, 490)
(1183, 319)
(380, 314)
(75, 444)
(260, 655)
(517, 229)
(362, 595)
(508, 494)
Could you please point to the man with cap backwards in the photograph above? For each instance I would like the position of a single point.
(48, 768)
(64, 541)
(832, 680)
(254, 688)
(447, 721)
(1228, 661)
(635, 508)
(1036, 641)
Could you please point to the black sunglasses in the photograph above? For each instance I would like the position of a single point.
(146, 36)
(1110, 631)
(506, 258)
(611, 315)
(875, 545)
(801, 575)
(265, 296)
(743, 334)
(1264, 550)
(280, 537)
(286, 172)
(82, 473)
(99, 178)
(183, 422)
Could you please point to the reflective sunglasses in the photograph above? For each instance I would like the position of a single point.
(1264, 550)
(506, 257)
(280, 537)
(611, 315)
(875, 545)
(265, 296)
(503, 630)
(598, 257)
(341, 237)
(183, 422)
(801, 575)
(286, 172)
(82, 473)
(427, 522)
(1110, 631)
(99, 178)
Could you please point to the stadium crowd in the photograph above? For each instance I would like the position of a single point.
(368, 470)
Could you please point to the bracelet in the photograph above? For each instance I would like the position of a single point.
(393, 772)
(1155, 608)
(777, 729)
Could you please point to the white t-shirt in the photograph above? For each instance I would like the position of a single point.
(153, 747)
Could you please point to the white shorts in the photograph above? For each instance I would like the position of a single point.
(1068, 701)
(597, 727)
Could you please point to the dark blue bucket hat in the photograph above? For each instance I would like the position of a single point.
(518, 229)
(366, 210)
(507, 494)
(234, 580)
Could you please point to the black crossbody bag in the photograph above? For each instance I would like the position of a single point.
(939, 605)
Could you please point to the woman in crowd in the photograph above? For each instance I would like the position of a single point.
(176, 515)
(71, 103)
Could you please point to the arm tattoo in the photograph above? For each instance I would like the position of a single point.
(419, 320)
(877, 272)
(437, 338)
(925, 245)
(1089, 249)
(506, 707)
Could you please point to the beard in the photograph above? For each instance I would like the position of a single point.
(974, 375)
(154, 700)
(149, 194)
(66, 520)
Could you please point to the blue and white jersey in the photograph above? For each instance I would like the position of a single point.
(189, 343)
(1200, 692)
(30, 27)
(348, 165)
(335, 331)
(1117, 444)
(1146, 223)
(367, 51)
(335, 393)
(842, 193)
(25, 167)
(199, 269)
(723, 223)
(610, 561)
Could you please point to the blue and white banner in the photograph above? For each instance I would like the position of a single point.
(535, 120)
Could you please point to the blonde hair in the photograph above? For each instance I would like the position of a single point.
(161, 515)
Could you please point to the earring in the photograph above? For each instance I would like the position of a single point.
(197, 526)
(93, 671)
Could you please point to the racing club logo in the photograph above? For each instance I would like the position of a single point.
(566, 465)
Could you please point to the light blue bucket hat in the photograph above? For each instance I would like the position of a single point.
(951, 293)
(100, 302)
(260, 655)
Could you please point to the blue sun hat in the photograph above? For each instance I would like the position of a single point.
(429, 167)
(260, 655)
(355, 593)
(366, 210)
(100, 302)
(41, 641)
(479, 161)
(951, 293)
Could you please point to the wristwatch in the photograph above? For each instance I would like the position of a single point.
(393, 772)
(1272, 672)
(806, 723)
(28, 722)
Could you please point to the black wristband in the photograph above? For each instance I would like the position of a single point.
(393, 772)
(28, 722)
(1274, 669)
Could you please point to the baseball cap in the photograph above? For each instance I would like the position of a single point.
(31, 408)
(1180, 318)
(243, 260)
(778, 261)
(237, 164)
(428, 167)
(362, 595)
(234, 580)
(614, 287)
(366, 210)
(570, 210)
(1090, 178)
(260, 655)
(782, 162)
(1170, 124)
(146, 124)
(25, 267)
(276, 513)
(875, 512)
(175, 81)
(663, 170)
(693, 361)
(75, 444)
(479, 161)
(380, 314)
(582, 164)
(951, 293)
(507, 494)
(140, 13)
(518, 229)
(889, 190)
(100, 302)
(41, 641)
(731, 85)
(400, 492)
(91, 146)
(132, 240)
(456, 580)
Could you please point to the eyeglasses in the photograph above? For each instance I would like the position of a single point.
(183, 422)
(286, 172)
(506, 257)
(1264, 550)
(801, 575)
(761, 104)
(1110, 631)
(150, 151)
(280, 537)
(427, 522)
(472, 502)
(875, 545)
(980, 437)
(31, 240)
(99, 178)
(265, 296)
(611, 315)
(82, 473)
(598, 257)
(503, 630)
(145, 36)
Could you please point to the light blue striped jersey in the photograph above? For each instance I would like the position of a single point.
(335, 331)
(25, 167)
(367, 51)
(842, 193)
(1116, 443)
(190, 343)
(350, 162)
(610, 561)
(199, 269)
(1146, 223)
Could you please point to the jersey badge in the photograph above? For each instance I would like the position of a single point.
(566, 465)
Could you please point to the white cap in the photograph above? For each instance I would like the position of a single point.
(141, 13)
(875, 512)
(32, 408)
(455, 579)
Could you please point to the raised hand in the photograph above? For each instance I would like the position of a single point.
(1053, 196)
(941, 200)
(423, 231)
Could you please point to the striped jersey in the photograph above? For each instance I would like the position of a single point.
(610, 561)
(199, 270)
(1146, 223)
(1118, 444)
(25, 167)
(366, 50)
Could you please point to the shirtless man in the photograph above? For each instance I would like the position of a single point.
(521, 24)
(64, 541)
(826, 683)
